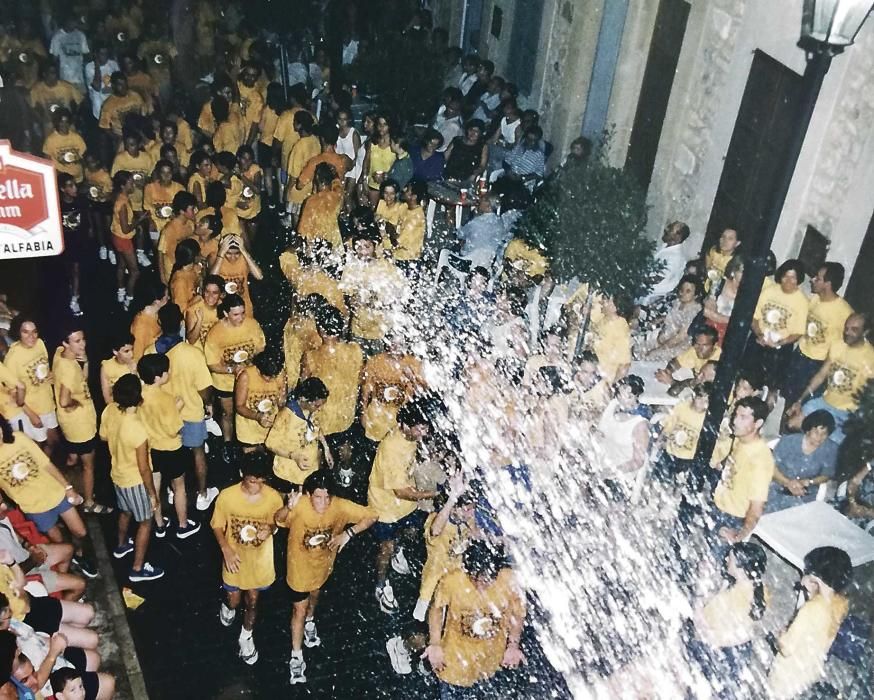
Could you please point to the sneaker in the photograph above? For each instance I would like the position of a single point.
(386, 597)
(74, 306)
(228, 452)
(345, 478)
(213, 428)
(125, 549)
(147, 573)
(143, 259)
(86, 567)
(161, 530)
(171, 496)
(399, 656)
(296, 668)
(190, 528)
(102, 252)
(248, 652)
(311, 635)
(226, 615)
(205, 500)
(127, 302)
(121, 294)
(111, 255)
(399, 562)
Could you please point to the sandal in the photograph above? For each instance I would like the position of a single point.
(97, 508)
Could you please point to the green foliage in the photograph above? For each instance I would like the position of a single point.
(403, 75)
(590, 222)
(858, 447)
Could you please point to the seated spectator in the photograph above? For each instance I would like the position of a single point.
(527, 161)
(448, 120)
(489, 102)
(553, 353)
(484, 72)
(804, 461)
(704, 349)
(720, 302)
(680, 433)
(671, 335)
(860, 497)
(804, 645)
(590, 394)
(467, 157)
(484, 234)
(718, 256)
(624, 435)
(673, 258)
(427, 157)
(611, 336)
(469, 69)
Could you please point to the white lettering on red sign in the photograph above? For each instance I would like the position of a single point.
(13, 189)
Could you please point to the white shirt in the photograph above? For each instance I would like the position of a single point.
(674, 259)
(70, 48)
(466, 82)
(448, 128)
(99, 97)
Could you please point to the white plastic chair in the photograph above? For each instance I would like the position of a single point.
(443, 262)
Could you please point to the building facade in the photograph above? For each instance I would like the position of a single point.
(698, 96)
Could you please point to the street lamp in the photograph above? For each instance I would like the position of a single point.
(827, 28)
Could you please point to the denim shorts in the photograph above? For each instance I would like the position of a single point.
(193, 433)
(388, 531)
(47, 520)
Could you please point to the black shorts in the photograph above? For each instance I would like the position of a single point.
(171, 463)
(298, 596)
(82, 448)
(45, 614)
(222, 394)
(90, 681)
(264, 153)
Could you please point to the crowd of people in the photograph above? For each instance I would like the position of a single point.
(278, 258)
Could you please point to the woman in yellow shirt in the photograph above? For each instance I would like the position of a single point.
(158, 196)
(259, 392)
(64, 147)
(716, 259)
(611, 337)
(123, 229)
(308, 146)
(388, 209)
(249, 201)
(378, 158)
(319, 219)
(229, 133)
(234, 264)
(144, 327)
(200, 165)
(186, 274)
(121, 363)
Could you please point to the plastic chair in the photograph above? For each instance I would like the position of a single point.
(450, 261)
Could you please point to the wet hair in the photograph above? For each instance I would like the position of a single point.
(215, 195)
(324, 175)
(368, 233)
(632, 381)
(311, 389)
(830, 565)
(120, 338)
(319, 479)
(752, 560)
(226, 160)
(388, 182)
(624, 305)
(483, 560)
(818, 419)
(214, 223)
(170, 317)
(696, 282)
(183, 200)
(329, 133)
(759, 408)
(588, 356)
(701, 390)
(413, 413)
(61, 677)
(553, 377)
(269, 362)
(418, 188)
(329, 321)
(220, 109)
(834, 274)
(127, 392)
(229, 302)
(152, 366)
(18, 322)
(790, 265)
(217, 280)
(258, 464)
(709, 331)
(753, 376)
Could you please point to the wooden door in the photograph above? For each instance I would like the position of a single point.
(524, 44)
(658, 79)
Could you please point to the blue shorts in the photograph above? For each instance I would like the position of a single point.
(47, 520)
(233, 589)
(840, 416)
(389, 531)
(193, 433)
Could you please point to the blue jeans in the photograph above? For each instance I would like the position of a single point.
(478, 691)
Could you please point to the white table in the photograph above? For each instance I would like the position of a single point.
(793, 532)
(655, 393)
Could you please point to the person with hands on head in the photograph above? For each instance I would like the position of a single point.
(320, 525)
(243, 525)
(234, 264)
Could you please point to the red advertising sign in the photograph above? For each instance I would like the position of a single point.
(30, 212)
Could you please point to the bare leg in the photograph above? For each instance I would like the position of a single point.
(251, 611)
(383, 557)
(227, 418)
(141, 543)
(74, 524)
(200, 469)
(80, 637)
(159, 514)
(88, 478)
(180, 500)
(298, 620)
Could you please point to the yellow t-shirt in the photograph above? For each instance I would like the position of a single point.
(66, 151)
(249, 200)
(210, 318)
(189, 375)
(690, 360)
(410, 234)
(19, 605)
(251, 103)
(338, 364)
(825, 326)
(444, 553)
(727, 615)
(392, 469)
(292, 435)
(477, 625)
(124, 433)
(236, 277)
(312, 279)
(122, 203)
(232, 345)
(140, 167)
(285, 133)
(681, 430)
(805, 645)
(390, 212)
(23, 476)
(99, 185)
(267, 126)
(145, 86)
(390, 381)
(300, 153)
(851, 368)
(116, 108)
(372, 288)
(114, 370)
(746, 477)
(176, 230)
(158, 201)
(248, 526)
(381, 160)
(310, 562)
(318, 219)
(716, 261)
(145, 330)
(525, 258)
(228, 137)
(31, 367)
(611, 342)
(80, 423)
(50, 99)
(264, 397)
(161, 418)
(298, 337)
(183, 286)
(9, 407)
(780, 314)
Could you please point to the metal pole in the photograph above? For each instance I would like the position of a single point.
(283, 68)
(737, 333)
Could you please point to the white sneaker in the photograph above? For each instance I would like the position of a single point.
(127, 302)
(213, 428)
(345, 478)
(170, 496)
(226, 615)
(386, 597)
(121, 294)
(143, 259)
(420, 612)
(311, 635)
(102, 253)
(74, 306)
(296, 668)
(111, 254)
(204, 501)
(248, 652)
(399, 656)
(399, 562)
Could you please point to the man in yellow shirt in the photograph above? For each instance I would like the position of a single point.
(306, 147)
(64, 146)
(408, 238)
(180, 227)
(319, 525)
(826, 316)
(392, 493)
(118, 105)
(243, 525)
(703, 350)
(160, 414)
(680, 432)
(847, 369)
(122, 428)
(475, 623)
